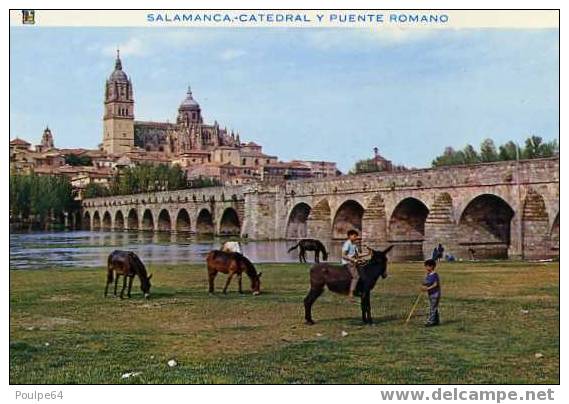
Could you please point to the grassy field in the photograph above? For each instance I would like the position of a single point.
(496, 318)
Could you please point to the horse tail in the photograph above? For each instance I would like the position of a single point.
(294, 247)
(109, 275)
(110, 267)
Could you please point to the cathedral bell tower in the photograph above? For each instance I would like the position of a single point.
(118, 119)
(47, 139)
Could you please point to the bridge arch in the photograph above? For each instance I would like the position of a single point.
(86, 225)
(107, 221)
(96, 221)
(407, 228)
(348, 216)
(229, 225)
(132, 219)
(484, 227)
(297, 223)
(119, 220)
(204, 222)
(183, 222)
(164, 221)
(535, 226)
(147, 223)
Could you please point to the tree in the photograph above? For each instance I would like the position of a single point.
(448, 158)
(75, 160)
(20, 195)
(488, 151)
(148, 178)
(509, 151)
(550, 149)
(202, 182)
(94, 190)
(41, 197)
(535, 147)
(470, 155)
(366, 166)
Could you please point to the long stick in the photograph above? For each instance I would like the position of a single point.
(414, 307)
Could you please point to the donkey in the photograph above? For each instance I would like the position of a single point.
(233, 264)
(337, 278)
(309, 244)
(127, 264)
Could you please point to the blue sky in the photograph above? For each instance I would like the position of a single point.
(326, 94)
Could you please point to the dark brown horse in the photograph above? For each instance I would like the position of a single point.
(232, 263)
(337, 278)
(127, 264)
(310, 244)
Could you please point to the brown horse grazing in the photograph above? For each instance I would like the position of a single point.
(127, 264)
(338, 279)
(232, 263)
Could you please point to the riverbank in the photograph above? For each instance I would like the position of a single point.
(500, 325)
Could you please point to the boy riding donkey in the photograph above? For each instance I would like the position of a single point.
(352, 258)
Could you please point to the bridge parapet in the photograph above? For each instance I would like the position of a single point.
(196, 195)
(486, 174)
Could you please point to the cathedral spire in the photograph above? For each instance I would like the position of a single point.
(118, 63)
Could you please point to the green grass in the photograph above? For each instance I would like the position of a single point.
(62, 330)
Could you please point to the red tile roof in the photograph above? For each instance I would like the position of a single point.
(19, 142)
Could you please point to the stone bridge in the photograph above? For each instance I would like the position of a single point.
(491, 210)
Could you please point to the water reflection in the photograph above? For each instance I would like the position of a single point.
(90, 249)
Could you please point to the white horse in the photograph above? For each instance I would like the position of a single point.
(232, 246)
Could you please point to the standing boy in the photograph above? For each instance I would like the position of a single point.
(432, 285)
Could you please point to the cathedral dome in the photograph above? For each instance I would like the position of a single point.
(189, 103)
(118, 74)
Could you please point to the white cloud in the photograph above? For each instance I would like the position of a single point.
(232, 54)
(327, 39)
(131, 47)
(144, 43)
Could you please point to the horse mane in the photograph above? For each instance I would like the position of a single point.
(249, 267)
(139, 266)
(321, 245)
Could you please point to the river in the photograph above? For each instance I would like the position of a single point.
(40, 250)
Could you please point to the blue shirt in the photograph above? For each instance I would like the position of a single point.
(349, 249)
(430, 280)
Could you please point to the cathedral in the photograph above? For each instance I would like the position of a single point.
(123, 134)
